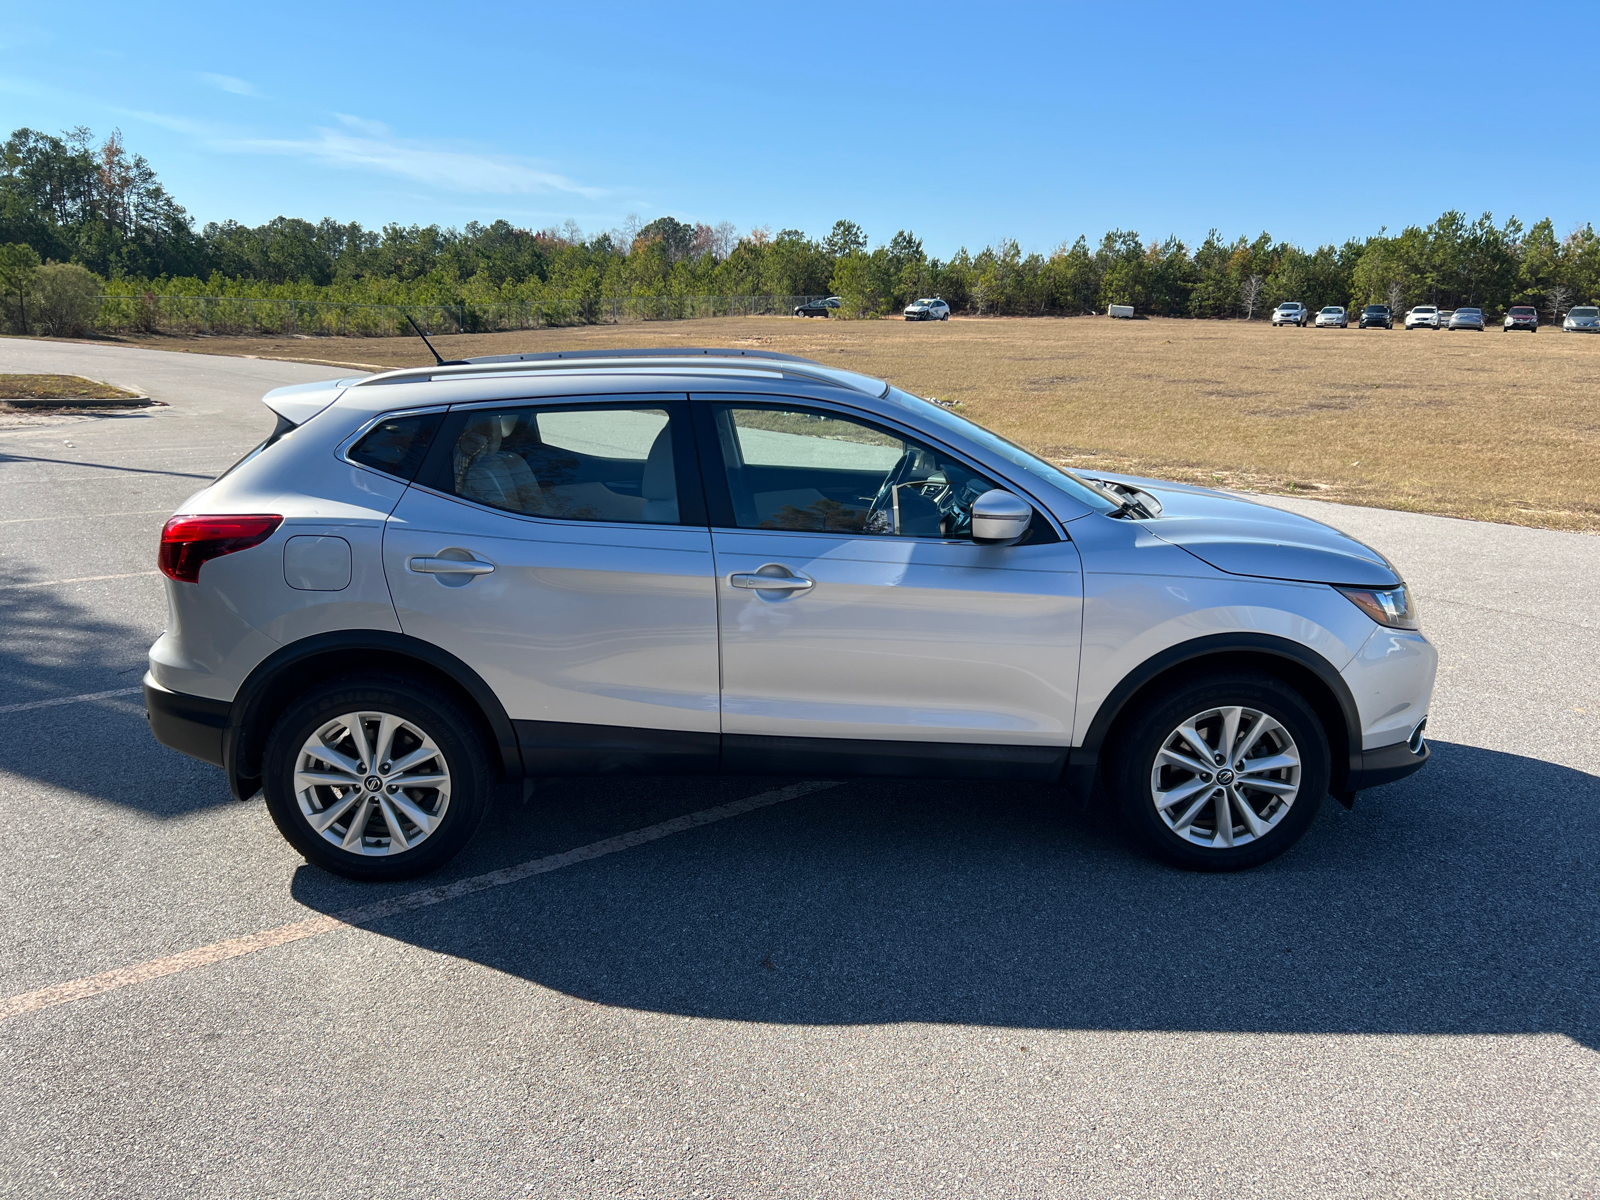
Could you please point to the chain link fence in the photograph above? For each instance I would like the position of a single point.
(153, 313)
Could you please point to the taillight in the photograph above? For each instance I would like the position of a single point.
(188, 543)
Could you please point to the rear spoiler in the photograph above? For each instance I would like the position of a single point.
(299, 403)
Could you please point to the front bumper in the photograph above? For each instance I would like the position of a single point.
(1388, 763)
(191, 724)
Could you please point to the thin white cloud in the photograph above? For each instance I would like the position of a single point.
(376, 129)
(375, 148)
(229, 83)
(451, 170)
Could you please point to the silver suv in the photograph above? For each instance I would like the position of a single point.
(432, 580)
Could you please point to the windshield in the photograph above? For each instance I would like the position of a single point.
(1585, 312)
(1066, 481)
(1334, 311)
(1426, 310)
(1468, 312)
(1288, 304)
(1521, 310)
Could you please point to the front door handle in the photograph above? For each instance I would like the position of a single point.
(449, 566)
(772, 578)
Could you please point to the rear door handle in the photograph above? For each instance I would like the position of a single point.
(768, 579)
(449, 566)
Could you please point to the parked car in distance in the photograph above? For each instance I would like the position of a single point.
(1466, 318)
(1424, 316)
(1291, 312)
(933, 309)
(744, 562)
(1521, 316)
(1584, 319)
(1333, 317)
(1444, 317)
(817, 308)
(1375, 316)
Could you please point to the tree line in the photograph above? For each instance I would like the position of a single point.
(80, 217)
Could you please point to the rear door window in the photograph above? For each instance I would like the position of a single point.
(590, 463)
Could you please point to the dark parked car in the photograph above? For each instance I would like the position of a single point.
(1376, 315)
(1522, 316)
(817, 308)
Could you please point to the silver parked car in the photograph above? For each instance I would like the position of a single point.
(1466, 318)
(1583, 319)
(1291, 312)
(1333, 317)
(429, 580)
(930, 309)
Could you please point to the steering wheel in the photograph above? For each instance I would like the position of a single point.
(880, 514)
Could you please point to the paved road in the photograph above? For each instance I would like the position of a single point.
(873, 989)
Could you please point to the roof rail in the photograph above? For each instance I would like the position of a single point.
(679, 360)
(677, 352)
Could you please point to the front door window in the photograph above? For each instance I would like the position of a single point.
(818, 472)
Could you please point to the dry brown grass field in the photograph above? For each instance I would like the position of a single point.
(1491, 426)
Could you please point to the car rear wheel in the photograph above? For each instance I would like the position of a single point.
(376, 777)
(1222, 772)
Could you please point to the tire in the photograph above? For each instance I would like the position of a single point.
(416, 718)
(944, 316)
(1202, 703)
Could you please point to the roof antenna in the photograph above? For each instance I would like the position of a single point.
(436, 356)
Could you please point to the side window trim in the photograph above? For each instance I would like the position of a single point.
(434, 473)
(719, 499)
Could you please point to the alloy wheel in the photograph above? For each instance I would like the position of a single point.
(372, 783)
(1225, 777)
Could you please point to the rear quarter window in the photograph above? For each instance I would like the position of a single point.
(396, 445)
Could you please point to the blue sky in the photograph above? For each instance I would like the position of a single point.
(964, 123)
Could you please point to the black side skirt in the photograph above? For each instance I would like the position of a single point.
(561, 748)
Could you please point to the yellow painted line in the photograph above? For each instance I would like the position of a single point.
(295, 931)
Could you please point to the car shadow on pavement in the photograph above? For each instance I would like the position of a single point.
(1463, 900)
(52, 647)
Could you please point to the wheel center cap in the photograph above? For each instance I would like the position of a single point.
(1224, 777)
(373, 783)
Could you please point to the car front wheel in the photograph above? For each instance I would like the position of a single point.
(1222, 772)
(376, 777)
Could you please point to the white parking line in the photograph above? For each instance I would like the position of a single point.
(138, 512)
(204, 956)
(11, 708)
(13, 587)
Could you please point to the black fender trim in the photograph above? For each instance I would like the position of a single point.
(242, 735)
(1084, 766)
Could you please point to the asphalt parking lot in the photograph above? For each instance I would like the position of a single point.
(865, 989)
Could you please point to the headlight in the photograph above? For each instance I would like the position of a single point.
(1392, 607)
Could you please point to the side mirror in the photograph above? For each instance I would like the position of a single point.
(999, 518)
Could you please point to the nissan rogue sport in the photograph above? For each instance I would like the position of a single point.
(430, 581)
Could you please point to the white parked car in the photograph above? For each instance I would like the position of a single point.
(432, 580)
(1333, 317)
(933, 309)
(1584, 319)
(1424, 316)
(1291, 312)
